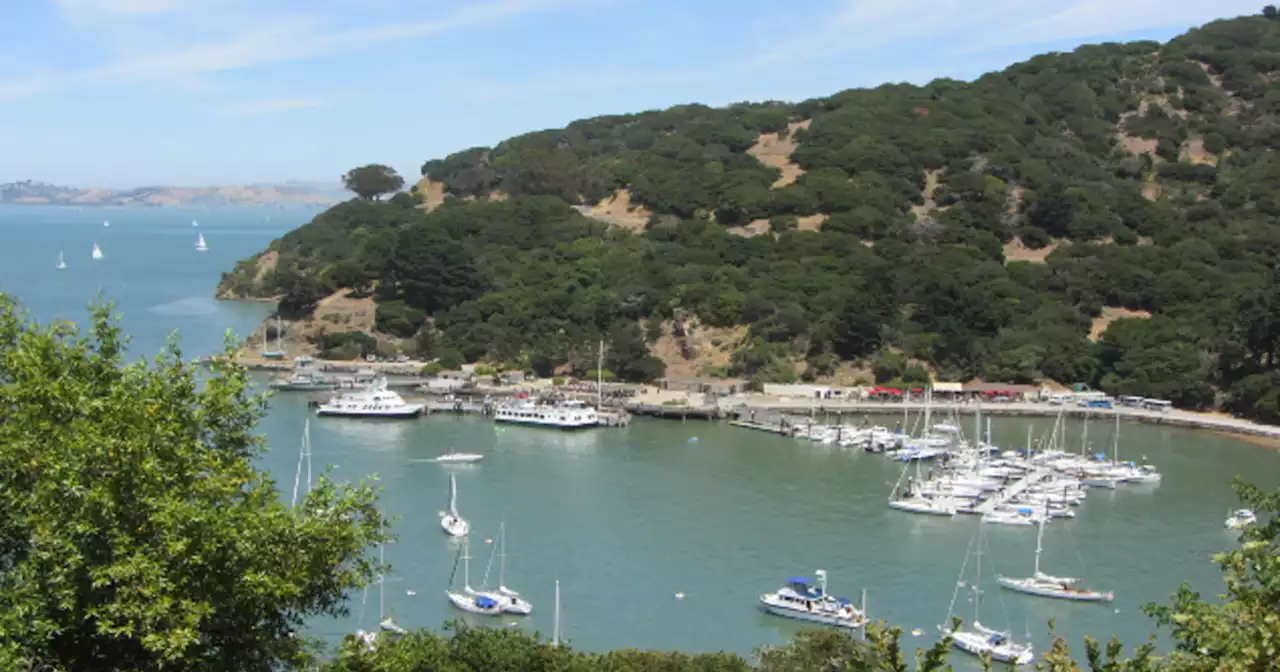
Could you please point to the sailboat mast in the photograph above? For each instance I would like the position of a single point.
(1040, 539)
(466, 562)
(555, 627)
(600, 377)
(1115, 441)
(977, 582)
(382, 581)
(1084, 435)
(502, 554)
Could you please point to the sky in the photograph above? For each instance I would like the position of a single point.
(121, 93)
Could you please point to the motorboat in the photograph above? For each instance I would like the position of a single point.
(375, 402)
(305, 380)
(452, 523)
(1241, 519)
(564, 415)
(802, 600)
(450, 457)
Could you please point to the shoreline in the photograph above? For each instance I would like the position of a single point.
(1267, 436)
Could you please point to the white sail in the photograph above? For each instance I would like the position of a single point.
(195, 223)
(200, 244)
(62, 263)
(97, 251)
(453, 495)
(105, 223)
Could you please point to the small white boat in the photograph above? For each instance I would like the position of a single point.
(97, 252)
(195, 223)
(450, 521)
(450, 457)
(801, 600)
(200, 244)
(467, 599)
(62, 263)
(1024, 516)
(924, 505)
(106, 224)
(1058, 587)
(1240, 519)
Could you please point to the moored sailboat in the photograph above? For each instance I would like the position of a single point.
(468, 599)
(62, 263)
(97, 252)
(508, 599)
(979, 639)
(200, 244)
(1059, 587)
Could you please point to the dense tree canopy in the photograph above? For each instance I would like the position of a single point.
(1148, 171)
(371, 181)
(137, 533)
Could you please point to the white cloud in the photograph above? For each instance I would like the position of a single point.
(253, 108)
(968, 26)
(198, 42)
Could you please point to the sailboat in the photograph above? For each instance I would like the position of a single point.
(450, 521)
(979, 640)
(304, 460)
(200, 245)
(508, 599)
(106, 224)
(1044, 585)
(908, 499)
(97, 252)
(385, 622)
(278, 353)
(62, 263)
(555, 623)
(195, 223)
(469, 600)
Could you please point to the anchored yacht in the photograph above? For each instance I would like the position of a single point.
(801, 600)
(375, 402)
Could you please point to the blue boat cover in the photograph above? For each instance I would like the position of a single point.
(798, 581)
(1025, 510)
(486, 602)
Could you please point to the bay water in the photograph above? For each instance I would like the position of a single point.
(627, 518)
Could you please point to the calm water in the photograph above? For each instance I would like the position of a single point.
(627, 518)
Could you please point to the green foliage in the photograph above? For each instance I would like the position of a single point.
(1030, 151)
(137, 533)
(450, 359)
(432, 368)
(348, 345)
(372, 181)
(399, 319)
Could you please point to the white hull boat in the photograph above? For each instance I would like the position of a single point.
(452, 523)
(458, 458)
(1241, 519)
(998, 645)
(1061, 591)
(1024, 517)
(567, 415)
(508, 600)
(200, 244)
(97, 252)
(467, 599)
(802, 601)
(62, 264)
(376, 402)
(930, 507)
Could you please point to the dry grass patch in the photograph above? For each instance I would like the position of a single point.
(618, 210)
(1111, 314)
(1014, 250)
(699, 350)
(775, 152)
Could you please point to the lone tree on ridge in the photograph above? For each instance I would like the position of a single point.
(371, 181)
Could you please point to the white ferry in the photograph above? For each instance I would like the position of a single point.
(375, 402)
(566, 415)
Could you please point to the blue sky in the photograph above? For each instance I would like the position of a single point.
(121, 93)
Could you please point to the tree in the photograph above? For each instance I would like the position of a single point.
(372, 181)
(137, 533)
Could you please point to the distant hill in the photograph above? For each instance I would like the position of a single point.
(1108, 216)
(286, 194)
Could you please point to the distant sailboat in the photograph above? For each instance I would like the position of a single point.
(278, 353)
(106, 223)
(62, 264)
(200, 245)
(195, 223)
(97, 252)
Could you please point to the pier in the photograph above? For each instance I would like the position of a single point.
(1005, 494)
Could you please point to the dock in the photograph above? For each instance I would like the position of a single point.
(997, 500)
(682, 412)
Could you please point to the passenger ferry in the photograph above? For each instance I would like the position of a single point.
(566, 415)
(375, 402)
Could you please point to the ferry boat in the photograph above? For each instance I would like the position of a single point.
(801, 600)
(305, 380)
(375, 402)
(565, 415)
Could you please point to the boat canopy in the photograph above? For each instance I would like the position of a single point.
(798, 581)
(1026, 510)
(486, 602)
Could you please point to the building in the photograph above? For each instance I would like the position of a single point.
(511, 377)
(713, 386)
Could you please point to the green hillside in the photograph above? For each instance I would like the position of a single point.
(981, 228)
